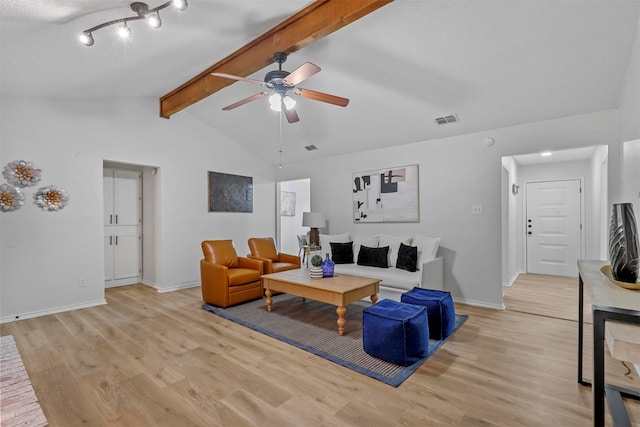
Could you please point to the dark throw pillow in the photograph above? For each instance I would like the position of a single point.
(407, 257)
(373, 257)
(342, 253)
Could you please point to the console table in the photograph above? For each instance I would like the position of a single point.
(609, 302)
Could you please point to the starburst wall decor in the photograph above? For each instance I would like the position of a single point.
(20, 173)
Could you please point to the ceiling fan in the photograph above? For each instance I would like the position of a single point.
(280, 84)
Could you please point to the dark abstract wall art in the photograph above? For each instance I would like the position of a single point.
(230, 193)
(386, 195)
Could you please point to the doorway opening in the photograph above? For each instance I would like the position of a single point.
(130, 223)
(294, 198)
(588, 165)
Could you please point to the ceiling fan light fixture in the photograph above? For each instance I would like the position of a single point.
(275, 102)
(289, 102)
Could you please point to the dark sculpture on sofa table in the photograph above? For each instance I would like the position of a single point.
(623, 243)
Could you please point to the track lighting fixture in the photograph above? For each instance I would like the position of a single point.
(142, 10)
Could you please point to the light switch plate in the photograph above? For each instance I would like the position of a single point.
(476, 209)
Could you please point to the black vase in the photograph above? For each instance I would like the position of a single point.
(623, 243)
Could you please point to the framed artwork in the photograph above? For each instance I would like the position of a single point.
(386, 195)
(230, 193)
(287, 203)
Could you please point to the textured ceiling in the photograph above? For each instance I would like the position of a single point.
(493, 63)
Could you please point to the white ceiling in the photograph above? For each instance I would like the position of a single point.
(494, 63)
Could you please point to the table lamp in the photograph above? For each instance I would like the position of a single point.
(314, 220)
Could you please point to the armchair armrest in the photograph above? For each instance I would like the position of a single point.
(267, 264)
(292, 259)
(252, 263)
(432, 274)
(214, 280)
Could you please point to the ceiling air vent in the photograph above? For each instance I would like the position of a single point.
(310, 147)
(450, 118)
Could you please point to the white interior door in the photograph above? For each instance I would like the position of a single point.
(553, 227)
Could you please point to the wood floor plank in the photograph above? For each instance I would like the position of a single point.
(151, 359)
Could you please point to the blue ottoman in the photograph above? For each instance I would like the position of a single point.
(395, 332)
(440, 310)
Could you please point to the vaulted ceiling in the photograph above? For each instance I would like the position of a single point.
(493, 63)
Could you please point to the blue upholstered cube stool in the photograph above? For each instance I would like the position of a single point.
(440, 310)
(395, 332)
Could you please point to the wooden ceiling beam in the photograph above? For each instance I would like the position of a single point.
(312, 23)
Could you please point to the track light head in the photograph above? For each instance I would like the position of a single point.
(124, 31)
(155, 21)
(180, 4)
(86, 39)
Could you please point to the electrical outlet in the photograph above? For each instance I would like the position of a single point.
(82, 282)
(476, 209)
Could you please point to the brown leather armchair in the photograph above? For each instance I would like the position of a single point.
(264, 249)
(226, 278)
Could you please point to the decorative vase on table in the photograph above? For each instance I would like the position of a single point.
(623, 243)
(327, 267)
(315, 271)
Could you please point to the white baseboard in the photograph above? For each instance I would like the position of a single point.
(479, 303)
(513, 279)
(54, 310)
(176, 288)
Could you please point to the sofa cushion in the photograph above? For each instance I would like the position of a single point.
(391, 277)
(427, 248)
(342, 253)
(374, 257)
(326, 239)
(394, 244)
(371, 241)
(407, 257)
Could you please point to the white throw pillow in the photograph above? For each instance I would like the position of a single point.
(369, 241)
(427, 248)
(394, 245)
(327, 239)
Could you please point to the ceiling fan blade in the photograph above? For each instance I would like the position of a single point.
(300, 74)
(324, 97)
(242, 79)
(292, 116)
(245, 101)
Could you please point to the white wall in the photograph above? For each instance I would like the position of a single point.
(454, 174)
(43, 254)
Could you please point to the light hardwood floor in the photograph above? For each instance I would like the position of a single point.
(150, 359)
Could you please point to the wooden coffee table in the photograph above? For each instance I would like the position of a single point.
(339, 290)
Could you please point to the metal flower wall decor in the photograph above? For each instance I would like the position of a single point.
(51, 198)
(11, 198)
(21, 173)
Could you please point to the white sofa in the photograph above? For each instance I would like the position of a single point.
(395, 281)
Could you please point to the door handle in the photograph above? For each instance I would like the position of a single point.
(116, 218)
(111, 219)
(117, 238)
(110, 240)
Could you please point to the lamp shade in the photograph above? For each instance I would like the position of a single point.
(313, 220)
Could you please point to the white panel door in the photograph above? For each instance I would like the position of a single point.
(126, 197)
(126, 259)
(553, 227)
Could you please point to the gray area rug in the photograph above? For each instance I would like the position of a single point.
(18, 403)
(311, 325)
